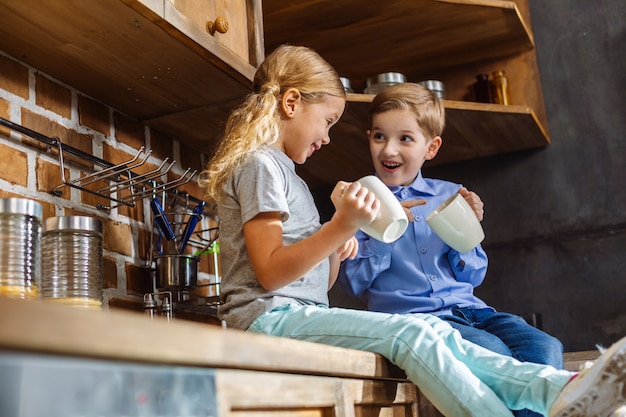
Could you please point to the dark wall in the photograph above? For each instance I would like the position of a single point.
(555, 218)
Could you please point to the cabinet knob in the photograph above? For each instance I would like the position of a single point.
(219, 25)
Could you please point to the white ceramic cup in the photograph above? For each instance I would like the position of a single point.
(455, 223)
(391, 221)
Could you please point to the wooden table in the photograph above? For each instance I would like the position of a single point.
(255, 375)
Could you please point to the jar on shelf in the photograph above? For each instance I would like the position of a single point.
(482, 89)
(20, 253)
(500, 84)
(436, 86)
(71, 249)
(379, 82)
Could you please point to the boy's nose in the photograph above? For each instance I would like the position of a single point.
(390, 148)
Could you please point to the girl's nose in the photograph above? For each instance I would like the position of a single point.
(326, 140)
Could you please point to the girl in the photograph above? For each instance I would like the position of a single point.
(279, 262)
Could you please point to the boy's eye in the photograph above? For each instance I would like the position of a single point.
(406, 139)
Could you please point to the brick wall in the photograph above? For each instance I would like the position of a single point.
(40, 103)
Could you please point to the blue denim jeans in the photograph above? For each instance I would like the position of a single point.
(460, 378)
(508, 335)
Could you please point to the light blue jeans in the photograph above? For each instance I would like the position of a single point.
(508, 335)
(457, 376)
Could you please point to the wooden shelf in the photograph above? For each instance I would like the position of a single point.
(448, 40)
(473, 130)
(125, 54)
(147, 60)
(364, 38)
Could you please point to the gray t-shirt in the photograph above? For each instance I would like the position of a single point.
(266, 182)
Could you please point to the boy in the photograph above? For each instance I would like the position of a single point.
(419, 273)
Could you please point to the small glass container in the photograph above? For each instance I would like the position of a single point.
(20, 253)
(500, 91)
(71, 249)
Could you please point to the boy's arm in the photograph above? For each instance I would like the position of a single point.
(469, 267)
(356, 275)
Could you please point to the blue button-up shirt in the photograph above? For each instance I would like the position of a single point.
(417, 273)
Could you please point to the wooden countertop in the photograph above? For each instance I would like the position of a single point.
(39, 327)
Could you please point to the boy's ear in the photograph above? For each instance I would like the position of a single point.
(290, 101)
(433, 147)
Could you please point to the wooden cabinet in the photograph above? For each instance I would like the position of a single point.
(447, 40)
(225, 20)
(150, 59)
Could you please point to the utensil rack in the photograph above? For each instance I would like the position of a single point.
(115, 183)
(178, 215)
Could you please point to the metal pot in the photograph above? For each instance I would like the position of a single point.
(177, 272)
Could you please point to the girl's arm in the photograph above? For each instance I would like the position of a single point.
(277, 265)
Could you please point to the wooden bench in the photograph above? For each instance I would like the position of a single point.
(255, 375)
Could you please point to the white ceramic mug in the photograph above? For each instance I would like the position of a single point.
(391, 221)
(455, 223)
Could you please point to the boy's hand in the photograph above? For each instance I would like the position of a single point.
(407, 204)
(474, 201)
(349, 249)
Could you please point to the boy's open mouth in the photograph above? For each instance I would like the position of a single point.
(390, 166)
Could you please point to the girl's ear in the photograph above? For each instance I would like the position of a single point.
(290, 101)
(433, 148)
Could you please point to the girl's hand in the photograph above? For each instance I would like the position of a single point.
(474, 201)
(349, 249)
(355, 205)
(407, 204)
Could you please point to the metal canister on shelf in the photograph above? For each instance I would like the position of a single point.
(436, 86)
(500, 84)
(379, 82)
(71, 249)
(347, 85)
(20, 248)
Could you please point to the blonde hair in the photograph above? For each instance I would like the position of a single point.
(428, 109)
(256, 122)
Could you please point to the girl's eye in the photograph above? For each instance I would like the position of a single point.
(378, 136)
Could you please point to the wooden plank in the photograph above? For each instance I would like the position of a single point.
(262, 391)
(128, 336)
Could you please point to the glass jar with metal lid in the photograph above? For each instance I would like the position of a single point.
(20, 254)
(71, 248)
(379, 82)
